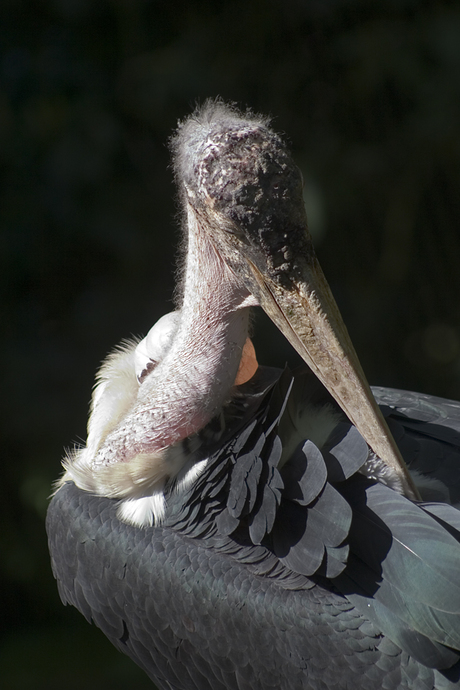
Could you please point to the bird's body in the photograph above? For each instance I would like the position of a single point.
(198, 608)
(268, 546)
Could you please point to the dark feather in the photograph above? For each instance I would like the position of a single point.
(404, 571)
(427, 430)
(306, 577)
(345, 452)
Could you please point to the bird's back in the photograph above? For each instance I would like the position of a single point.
(310, 576)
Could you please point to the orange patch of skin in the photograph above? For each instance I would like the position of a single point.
(248, 365)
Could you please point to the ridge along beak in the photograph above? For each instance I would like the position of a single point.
(308, 316)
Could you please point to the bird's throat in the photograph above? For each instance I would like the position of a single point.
(195, 378)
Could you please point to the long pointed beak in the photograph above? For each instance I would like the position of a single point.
(308, 316)
(246, 191)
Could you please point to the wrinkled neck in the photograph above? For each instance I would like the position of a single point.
(195, 378)
(198, 372)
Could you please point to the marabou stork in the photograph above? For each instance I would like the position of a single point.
(237, 527)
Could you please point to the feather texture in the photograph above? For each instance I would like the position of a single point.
(269, 575)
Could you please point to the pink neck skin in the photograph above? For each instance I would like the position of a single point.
(188, 388)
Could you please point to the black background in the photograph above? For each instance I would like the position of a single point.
(367, 93)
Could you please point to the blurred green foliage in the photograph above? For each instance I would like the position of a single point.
(368, 94)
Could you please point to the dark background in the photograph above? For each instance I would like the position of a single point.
(368, 94)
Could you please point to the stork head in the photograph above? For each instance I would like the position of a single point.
(239, 182)
(248, 245)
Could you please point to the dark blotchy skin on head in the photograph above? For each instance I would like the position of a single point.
(242, 177)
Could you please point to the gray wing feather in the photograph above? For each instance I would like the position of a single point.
(309, 577)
